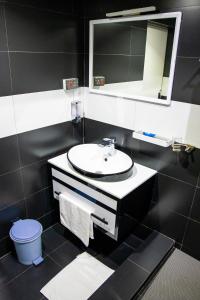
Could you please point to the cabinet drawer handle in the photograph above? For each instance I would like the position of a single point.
(93, 215)
(100, 219)
(57, 193)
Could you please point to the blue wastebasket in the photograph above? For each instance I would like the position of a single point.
(26, 235)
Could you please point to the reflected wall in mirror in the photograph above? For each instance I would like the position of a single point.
(134, 57)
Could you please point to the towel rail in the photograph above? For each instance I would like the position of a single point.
(103, 220)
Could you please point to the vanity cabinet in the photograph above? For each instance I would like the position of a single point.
(105, 208)
(114, 214)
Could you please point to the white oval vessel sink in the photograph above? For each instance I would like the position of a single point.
(93, 160)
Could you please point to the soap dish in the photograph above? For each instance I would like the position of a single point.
(157, 140)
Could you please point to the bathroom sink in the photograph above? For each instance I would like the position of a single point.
(95, 161)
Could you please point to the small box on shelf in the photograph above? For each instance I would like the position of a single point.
(70, 84)
(99, 81)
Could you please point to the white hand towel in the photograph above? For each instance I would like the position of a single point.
(76, 216)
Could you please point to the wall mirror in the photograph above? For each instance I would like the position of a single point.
(134, 57)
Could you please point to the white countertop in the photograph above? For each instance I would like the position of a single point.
(117, 189)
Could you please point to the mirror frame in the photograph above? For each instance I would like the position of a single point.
(176, 15)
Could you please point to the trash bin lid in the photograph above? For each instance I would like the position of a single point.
(25, 230)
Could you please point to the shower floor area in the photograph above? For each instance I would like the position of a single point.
(178, 279)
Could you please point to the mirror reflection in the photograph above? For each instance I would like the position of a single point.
(133, 57)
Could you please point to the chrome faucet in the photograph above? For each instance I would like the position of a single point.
(109, 146)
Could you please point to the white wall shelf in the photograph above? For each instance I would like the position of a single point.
(157, 140)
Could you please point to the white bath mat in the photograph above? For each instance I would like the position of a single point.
(78, 280)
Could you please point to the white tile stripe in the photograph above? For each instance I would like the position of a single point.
(7, 122)
(36, 110)
(25, 112)
(179, 120)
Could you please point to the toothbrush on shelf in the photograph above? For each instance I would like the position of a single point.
(149, 134)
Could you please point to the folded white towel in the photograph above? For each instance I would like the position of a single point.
(75, 214)
(78, 280)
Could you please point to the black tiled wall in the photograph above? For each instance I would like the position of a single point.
(187, 71)
(119, 51)
(174, 208)
(40, 44)
(25, 181)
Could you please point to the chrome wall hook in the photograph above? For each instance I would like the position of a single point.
(177, 147)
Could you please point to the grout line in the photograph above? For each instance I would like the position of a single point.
(45, 9)
(187, 222)
(51, 258)
(14, 116)
(184, 233)
(142, 224)
(129, 56)
(6, 207)
(192, 202)
(118, 54)
(188, 57)
(31, 164)
(7, 44)
(31, 266)
(50, 227)
(84, 57)
(172, 211)
(23, 191)
(23, 167)
(34, 129)
(44, 52)
(35, 193)
(176, 213)
(10, 281)
(83, 130)
(3, 238)
(177, 179)
(188, 217)
(48, 213)
(10, 172)
(125, 243)
(26, 207)
(129, 259)
(5, 255)
(25, 198)
(55, 249)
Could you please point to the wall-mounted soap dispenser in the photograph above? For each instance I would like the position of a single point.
(72, 84)
(76, 111)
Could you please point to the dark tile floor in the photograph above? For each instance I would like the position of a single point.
(20, 282)
(60, 248)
